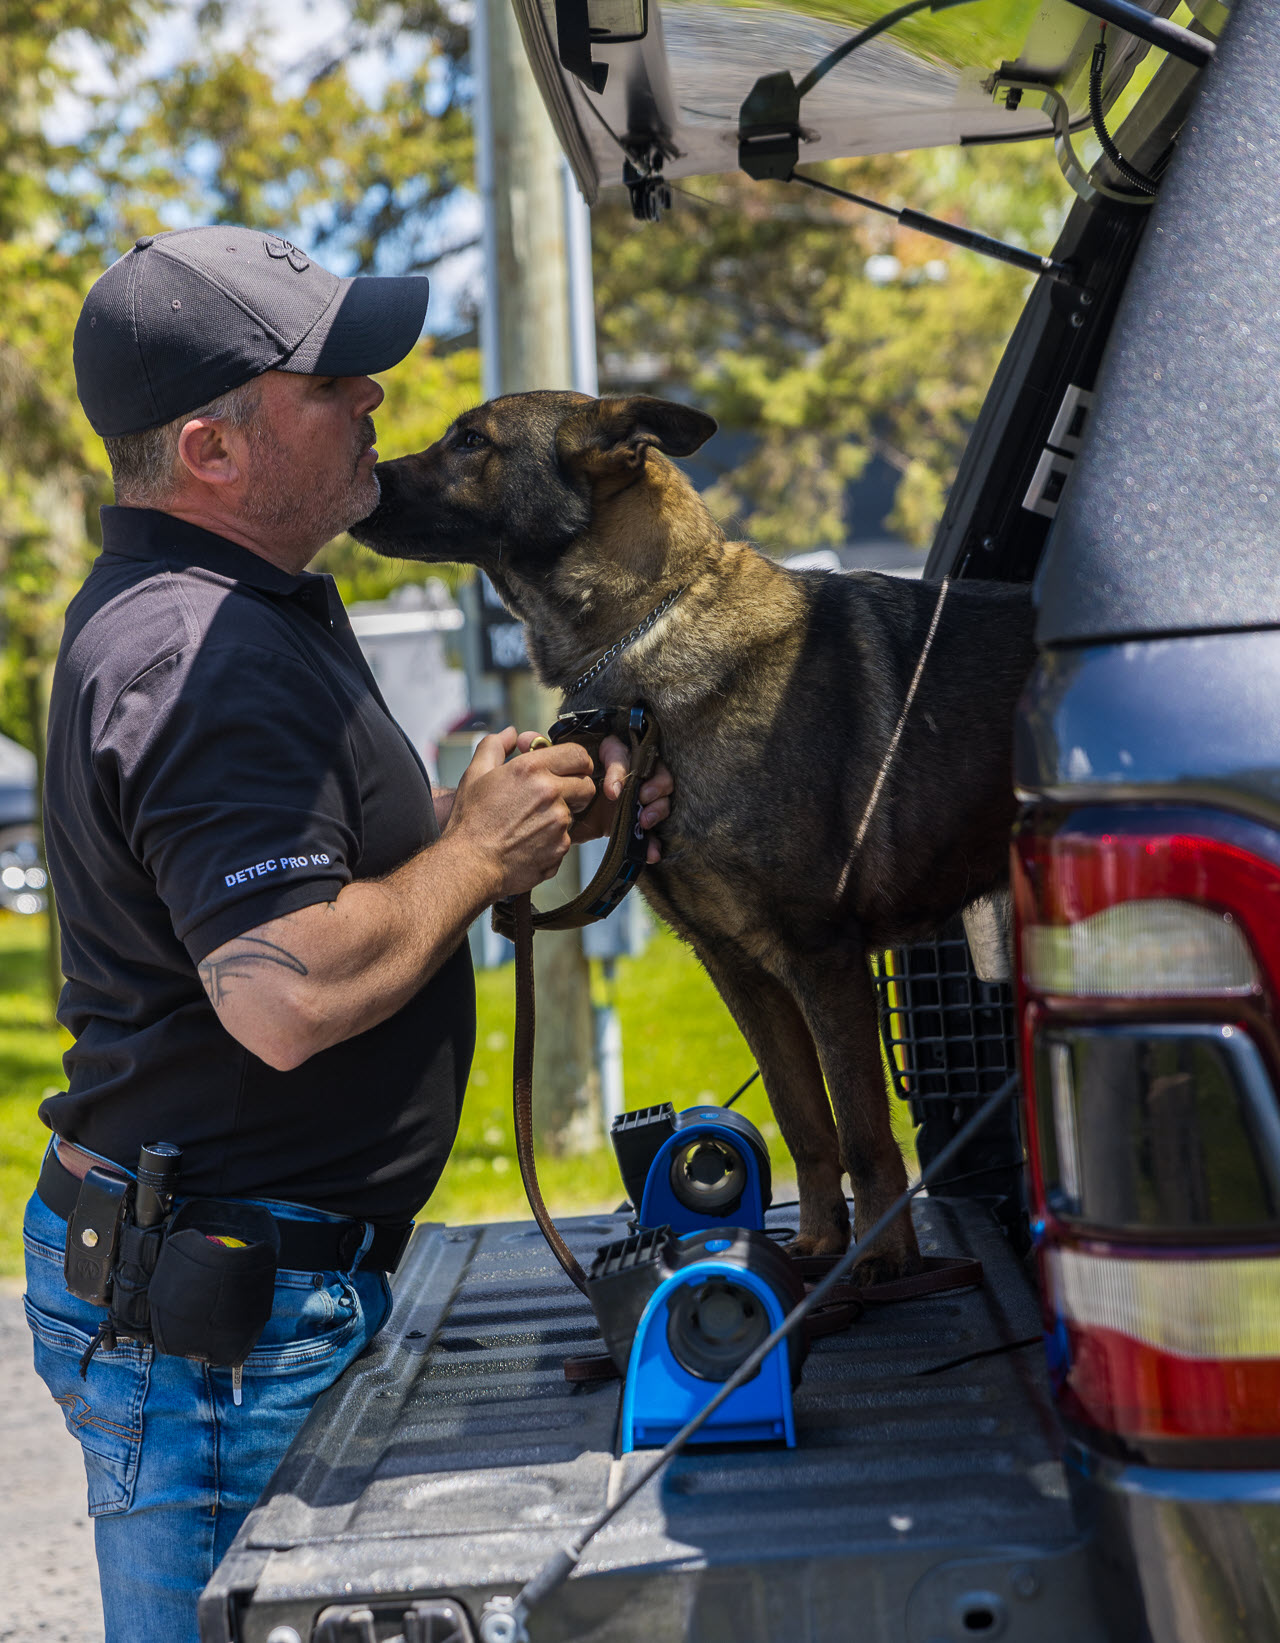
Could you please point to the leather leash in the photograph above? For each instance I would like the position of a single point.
(517, 918)
(937, 1274)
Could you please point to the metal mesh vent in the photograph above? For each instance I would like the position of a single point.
(947, 1036)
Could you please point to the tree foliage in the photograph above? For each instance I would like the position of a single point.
(824, 331)
(355, 152)
(357, 147)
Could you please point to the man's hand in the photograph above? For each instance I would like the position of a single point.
(518, 815)
(597, 820)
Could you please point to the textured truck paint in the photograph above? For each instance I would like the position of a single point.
(1169, 522)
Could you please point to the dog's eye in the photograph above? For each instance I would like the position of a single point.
(470, 440)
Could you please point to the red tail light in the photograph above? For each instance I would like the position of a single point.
(1149, 961)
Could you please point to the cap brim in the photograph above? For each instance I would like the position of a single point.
(371, 324)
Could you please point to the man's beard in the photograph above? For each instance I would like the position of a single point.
(312, 515)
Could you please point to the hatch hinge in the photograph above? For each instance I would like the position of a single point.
(1069, 163)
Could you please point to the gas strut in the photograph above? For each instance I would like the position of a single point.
(969, 238)
(503, 1619)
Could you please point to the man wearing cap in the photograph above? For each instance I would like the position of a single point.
(263, 905)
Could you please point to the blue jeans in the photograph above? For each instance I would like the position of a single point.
(173, 1464)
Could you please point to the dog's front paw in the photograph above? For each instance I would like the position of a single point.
(833, 1242)
(894, 1254)
(824, 1212)
(824, 1228)
(885, 1266)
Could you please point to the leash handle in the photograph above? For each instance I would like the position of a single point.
(627, 850)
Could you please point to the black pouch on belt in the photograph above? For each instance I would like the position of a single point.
(93, 1235)
(214, 1283)
(136, 1257)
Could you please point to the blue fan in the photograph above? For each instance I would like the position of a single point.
(680, 1314)
(704, 1167)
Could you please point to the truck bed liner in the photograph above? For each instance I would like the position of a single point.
(453, 1457)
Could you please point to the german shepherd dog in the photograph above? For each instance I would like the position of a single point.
(777, 694)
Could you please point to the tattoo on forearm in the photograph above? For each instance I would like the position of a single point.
(240, 963)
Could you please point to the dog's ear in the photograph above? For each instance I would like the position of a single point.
(611, 435)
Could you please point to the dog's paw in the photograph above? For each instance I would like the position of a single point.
(832, 1242)
(885, 1267)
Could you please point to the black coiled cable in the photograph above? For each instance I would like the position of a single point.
(1130, 173)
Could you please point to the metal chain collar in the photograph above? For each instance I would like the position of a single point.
(637, 632)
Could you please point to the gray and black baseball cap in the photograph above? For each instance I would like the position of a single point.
(189, 315)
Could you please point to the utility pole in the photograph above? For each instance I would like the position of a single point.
(527, 339)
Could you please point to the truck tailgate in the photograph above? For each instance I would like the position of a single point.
(453, 1458)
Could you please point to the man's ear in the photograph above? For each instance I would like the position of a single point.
(203, 452)
(613, 435)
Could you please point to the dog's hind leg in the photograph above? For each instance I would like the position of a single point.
(784, 1050)
(837, 996)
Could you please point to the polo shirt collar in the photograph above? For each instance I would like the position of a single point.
(147, 533)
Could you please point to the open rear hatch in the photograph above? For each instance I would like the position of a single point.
(925, 1500)
(675, 95)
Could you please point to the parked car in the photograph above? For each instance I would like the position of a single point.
(23, 877)
(952, 1478)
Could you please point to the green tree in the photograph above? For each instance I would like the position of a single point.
(776, 310)
(54, 470)
(356, 152)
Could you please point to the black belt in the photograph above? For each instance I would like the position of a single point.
(305, 1246)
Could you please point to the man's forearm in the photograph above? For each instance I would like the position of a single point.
(442, 798)
(313, 978)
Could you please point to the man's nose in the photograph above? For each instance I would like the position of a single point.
(367, 397)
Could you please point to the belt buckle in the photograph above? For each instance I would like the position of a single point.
(349, 1241)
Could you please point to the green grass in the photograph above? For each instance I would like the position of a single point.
(30, 1066)
(679, 1044)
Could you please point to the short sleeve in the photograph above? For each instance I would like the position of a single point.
(233, 771)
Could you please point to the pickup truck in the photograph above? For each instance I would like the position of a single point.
(1086, 1446)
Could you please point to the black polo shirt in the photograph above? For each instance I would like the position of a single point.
(219, 755)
